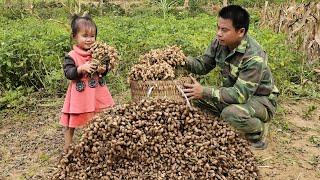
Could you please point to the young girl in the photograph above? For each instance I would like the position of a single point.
(86, 94)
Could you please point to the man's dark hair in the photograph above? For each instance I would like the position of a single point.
(240, 17)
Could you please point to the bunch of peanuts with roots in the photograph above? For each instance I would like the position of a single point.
(158, 64)
(160, 71)
(103, 54)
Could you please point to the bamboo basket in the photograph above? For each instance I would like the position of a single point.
(170, 89)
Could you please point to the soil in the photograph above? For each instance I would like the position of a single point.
(294, 143)
(31, 141)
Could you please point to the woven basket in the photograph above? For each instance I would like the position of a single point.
(162, 89)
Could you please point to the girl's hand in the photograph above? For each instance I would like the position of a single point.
(87, 67)
(102, 69)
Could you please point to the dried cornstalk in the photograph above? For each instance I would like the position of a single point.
(186, 4)
(301, 22)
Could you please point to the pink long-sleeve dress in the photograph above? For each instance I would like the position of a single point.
(80, 106)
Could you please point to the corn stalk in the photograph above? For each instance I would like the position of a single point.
(165, 6)
(301, 23)
(73, 6)
(186, 4)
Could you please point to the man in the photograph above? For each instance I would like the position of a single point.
(247, 98)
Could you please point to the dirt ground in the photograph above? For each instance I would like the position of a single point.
(31, 141)
(294, 143)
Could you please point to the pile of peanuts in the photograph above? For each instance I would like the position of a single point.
(158, 139)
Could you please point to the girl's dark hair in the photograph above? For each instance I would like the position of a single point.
(240, 17)
(77, 21)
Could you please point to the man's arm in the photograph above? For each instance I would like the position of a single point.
(205, 63)
(246, 85)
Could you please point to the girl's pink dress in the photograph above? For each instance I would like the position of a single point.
(80, 107)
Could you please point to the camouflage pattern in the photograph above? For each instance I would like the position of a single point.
(247, 96)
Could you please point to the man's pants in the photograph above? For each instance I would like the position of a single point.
(248, 118)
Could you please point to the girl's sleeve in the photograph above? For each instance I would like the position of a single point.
(70, 69)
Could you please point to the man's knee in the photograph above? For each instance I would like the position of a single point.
(207, 107)
(239, 116)
(230, 113)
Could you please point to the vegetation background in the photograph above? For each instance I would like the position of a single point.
(35, 35)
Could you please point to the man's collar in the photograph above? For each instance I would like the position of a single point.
(241, 48)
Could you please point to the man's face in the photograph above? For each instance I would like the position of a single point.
(227, 34)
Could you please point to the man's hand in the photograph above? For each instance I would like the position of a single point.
(193, 91)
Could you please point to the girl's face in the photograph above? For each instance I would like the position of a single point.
(85, 37)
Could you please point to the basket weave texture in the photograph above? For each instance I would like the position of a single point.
(158, 89)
